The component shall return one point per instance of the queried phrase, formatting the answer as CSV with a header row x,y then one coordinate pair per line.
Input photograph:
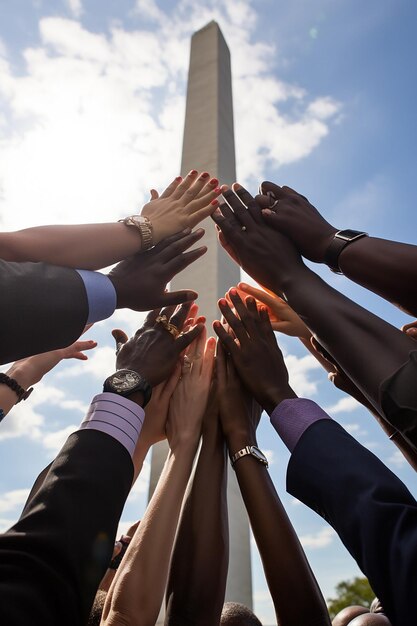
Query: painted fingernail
x,y
237,186
214,202
217,190
214,181
205,175
178,179
223,302
233,292
192,172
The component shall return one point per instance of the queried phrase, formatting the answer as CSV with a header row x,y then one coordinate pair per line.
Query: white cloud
x,y
149,9
346,404
295,502
299,369
397,459
97,118
76,7
11,500
99,365
54,441
270,455
6,523
321,539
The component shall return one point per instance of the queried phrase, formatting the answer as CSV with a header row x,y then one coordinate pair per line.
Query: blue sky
x,y
91,116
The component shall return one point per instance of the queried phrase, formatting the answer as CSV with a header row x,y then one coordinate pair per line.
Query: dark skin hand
x,y
141,280
294,590
256,356
374,350
252,243
152,351
388,268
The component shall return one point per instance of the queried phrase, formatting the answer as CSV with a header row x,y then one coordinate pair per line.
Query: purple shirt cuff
x,y
293,416
101,295
119,417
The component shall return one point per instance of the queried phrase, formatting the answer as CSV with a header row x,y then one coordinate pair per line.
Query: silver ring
x,y
244,228
274,204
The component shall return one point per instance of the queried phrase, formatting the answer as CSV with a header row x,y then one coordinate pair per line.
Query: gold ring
x,y
171,328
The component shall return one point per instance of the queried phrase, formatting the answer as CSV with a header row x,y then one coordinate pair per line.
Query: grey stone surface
x,y
209,145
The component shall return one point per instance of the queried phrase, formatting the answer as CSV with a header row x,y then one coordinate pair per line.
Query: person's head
x,y
235,614
97,610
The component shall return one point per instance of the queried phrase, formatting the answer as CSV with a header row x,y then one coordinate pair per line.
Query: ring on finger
x,y
171,328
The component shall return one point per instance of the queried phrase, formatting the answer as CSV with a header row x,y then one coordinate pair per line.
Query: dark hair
x,y
97,610
235,614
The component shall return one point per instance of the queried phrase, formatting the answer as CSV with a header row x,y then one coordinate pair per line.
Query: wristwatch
x,y
252,451
125,382
144,227
341,239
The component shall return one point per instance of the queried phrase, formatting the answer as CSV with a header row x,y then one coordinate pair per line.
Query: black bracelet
x,y
22,394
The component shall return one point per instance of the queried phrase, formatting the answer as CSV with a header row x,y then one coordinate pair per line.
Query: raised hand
x,y
140,281
254,352
183,204
282,317
156,347
266,255
294,216
189,400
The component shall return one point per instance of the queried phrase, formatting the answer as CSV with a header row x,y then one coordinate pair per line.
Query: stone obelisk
x,y
209,145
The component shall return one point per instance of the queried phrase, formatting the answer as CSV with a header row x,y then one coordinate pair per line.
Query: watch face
x,y
258,454
348,234
125,380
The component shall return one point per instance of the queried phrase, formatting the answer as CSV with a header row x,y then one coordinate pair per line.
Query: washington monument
x,y
209,146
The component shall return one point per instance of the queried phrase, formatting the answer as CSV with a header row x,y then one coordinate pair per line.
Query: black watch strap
x,y
340,240
22,394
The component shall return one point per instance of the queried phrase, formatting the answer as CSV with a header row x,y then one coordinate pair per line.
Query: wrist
x,y
24,375
274,396
324,241
238,438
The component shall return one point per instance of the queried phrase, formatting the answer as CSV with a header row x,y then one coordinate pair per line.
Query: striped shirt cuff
x,y
116,416
293,416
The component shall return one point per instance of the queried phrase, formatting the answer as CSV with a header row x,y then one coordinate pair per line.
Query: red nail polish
x,y
205,175
214,202
178,179
214,181
223,301
233,292
192,172
217,190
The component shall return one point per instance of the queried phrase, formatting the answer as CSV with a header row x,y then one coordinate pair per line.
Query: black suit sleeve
x,y
53,558
43,307
370,508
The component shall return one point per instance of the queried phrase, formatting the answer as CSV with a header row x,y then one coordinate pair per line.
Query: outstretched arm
x,y
259,363
93,246
197,580
374,350
388,268
136,593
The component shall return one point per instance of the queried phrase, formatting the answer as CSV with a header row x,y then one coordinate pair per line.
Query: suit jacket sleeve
x,y
43,307
53,558
372,511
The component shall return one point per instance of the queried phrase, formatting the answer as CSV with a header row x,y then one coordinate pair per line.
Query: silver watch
x,y
252,451
144,227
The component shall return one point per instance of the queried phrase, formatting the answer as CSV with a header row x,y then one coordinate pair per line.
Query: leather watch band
x,y
340,240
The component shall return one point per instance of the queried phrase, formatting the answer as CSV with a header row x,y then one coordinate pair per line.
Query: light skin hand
x,y
153,351
141,280
283,318
183,204
255,354
294,216
189,400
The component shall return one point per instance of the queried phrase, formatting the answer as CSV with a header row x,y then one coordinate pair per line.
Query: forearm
x,y
387,268
82,246
197,580
139,585
285,565
374,349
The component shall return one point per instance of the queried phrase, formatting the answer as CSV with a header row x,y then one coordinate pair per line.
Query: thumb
x,y
154,194
120,338
178,297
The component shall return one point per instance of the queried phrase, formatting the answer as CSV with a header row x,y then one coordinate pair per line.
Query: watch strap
x,y
22,394
144,226
340,240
